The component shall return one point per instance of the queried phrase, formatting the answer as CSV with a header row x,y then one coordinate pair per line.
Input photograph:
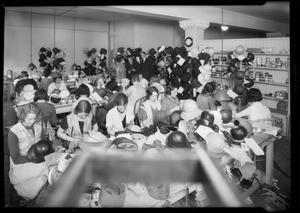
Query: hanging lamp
x,y
31,63
73,66
221,95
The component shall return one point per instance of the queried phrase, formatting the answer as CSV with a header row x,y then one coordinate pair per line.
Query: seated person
x,y
154,81
57,83
46,79
27,178
76,124
134,93
48,110
170,103
256,109
149,107
205,99
118,117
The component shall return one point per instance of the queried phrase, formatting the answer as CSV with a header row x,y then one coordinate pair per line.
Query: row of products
x,y
260,76
265,62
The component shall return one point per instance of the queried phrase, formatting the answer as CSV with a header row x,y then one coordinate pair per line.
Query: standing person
x,y
28,178
46,80
146,66
118,117
170,103
57,83
149,107
120,68
75,125
184,90
134,93
132,67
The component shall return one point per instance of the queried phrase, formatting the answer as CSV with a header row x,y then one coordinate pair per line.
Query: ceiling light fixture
x,y
224,28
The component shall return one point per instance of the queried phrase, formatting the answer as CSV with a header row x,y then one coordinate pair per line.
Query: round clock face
x,y
188,41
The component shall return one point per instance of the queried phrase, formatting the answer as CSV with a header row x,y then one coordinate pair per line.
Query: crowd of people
x,y
167,90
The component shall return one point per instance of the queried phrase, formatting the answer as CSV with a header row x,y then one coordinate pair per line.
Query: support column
x,y
195,30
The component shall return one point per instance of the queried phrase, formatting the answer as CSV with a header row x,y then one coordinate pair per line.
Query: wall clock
x,y
188,42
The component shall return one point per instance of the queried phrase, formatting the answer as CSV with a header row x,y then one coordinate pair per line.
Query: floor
x,y
262,198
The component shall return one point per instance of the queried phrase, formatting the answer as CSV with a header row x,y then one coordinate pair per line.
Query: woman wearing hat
x,y
149,107
170,103
78,123
154,81
27,178
57,83
256,109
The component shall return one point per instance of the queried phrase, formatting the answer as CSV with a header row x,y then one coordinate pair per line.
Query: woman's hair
x,y
47,72
83,106
135,78
209,87
254,95
154,78
122,99
54,79
82,90
169,89
151,90
30,108
41,94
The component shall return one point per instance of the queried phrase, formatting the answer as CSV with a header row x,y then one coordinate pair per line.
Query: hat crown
x,y
214,142
190,106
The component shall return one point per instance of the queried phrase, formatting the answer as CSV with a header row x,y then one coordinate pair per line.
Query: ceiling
x,y
276,11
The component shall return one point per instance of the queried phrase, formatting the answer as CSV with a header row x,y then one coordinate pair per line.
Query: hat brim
x,y
215,155
191,115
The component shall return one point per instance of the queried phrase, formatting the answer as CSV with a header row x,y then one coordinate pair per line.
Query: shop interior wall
x,y
17,41
215,33
153,34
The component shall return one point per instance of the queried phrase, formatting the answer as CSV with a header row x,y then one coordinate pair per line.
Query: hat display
x,y
64,94
125,144
215,144
55,98
209,116
28,92
246,124
177,139
238,132
112,195
226,115
190,110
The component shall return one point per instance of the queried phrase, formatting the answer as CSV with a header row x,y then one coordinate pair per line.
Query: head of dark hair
x,y
135,78
121,99
41,94
47,72
169,89
150,91
254,95
209,87
154,78
82,90
83,106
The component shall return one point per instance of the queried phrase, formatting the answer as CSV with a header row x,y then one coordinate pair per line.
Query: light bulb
x,y
224,28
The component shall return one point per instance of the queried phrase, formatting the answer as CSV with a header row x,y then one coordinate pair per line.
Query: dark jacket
x,y
129,67
147,68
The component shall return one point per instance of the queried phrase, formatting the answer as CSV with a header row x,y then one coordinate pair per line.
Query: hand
x,y
75,141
